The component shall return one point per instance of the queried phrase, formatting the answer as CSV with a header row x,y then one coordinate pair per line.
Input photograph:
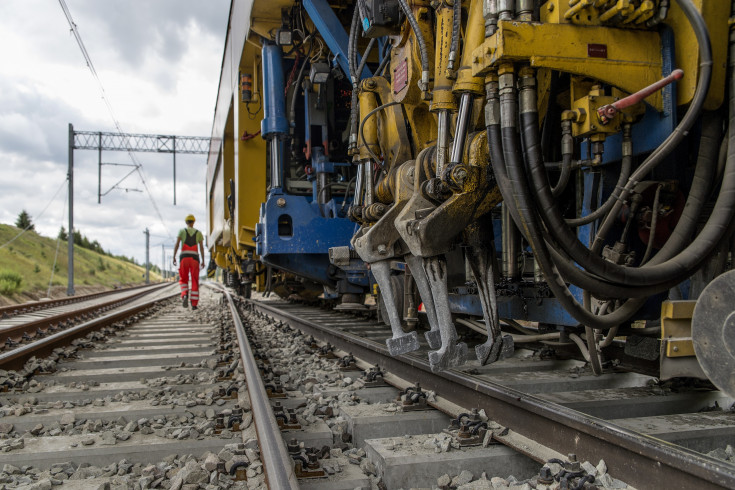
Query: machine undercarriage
x,y
552,172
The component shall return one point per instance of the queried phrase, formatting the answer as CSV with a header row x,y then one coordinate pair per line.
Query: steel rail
x,y
42,325
647,462
15,358
34,306
279,469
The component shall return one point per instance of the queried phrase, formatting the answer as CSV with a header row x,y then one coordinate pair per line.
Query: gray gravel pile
x,y
552,476
176,472
723,454
192,424
161,394
21,380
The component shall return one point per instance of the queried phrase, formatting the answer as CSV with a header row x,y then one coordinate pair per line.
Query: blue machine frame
x,y
295,232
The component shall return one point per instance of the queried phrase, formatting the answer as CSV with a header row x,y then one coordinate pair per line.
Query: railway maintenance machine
x,y
558,173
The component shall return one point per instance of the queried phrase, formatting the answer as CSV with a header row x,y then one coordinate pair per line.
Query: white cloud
x,y
159,63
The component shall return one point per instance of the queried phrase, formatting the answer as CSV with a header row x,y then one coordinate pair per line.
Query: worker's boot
x,y
185,301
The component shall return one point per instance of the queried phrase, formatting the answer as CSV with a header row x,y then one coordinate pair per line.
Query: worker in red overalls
x,y
191,262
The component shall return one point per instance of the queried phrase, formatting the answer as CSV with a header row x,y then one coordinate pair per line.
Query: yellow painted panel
x,y
676,327
632,62
250,155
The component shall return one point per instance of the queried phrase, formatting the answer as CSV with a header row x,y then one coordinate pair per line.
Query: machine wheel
x,y
713,331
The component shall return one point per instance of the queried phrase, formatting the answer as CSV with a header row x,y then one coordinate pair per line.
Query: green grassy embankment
x,y
25,268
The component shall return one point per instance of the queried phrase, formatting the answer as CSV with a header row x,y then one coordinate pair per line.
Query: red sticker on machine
x,y
597,50
400,76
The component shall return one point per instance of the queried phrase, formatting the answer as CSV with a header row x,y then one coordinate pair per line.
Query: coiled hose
x,y
523,211
522,216
680,266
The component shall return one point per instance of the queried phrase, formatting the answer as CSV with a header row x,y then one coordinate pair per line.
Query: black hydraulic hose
x,y
558,286
680,132
365,57
654,222
351,43
347,194
384,62
456,23
566,172
568,240
567,269
565,263
687,261
554,280
680,266
529,227
424,84
699,190
362,126
563,294
297,84
351,48
721,159
626,166
705,174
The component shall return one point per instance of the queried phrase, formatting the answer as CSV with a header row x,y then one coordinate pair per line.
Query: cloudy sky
x,y
159,63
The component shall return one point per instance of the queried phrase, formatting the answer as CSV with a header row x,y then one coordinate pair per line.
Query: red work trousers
x,y
189,266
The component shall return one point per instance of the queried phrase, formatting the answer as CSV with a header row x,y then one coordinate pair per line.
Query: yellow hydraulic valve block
x,y
627,59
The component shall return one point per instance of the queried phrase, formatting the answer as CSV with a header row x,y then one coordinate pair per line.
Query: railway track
x,y
20,324
160,401
156,398
652,435
35,307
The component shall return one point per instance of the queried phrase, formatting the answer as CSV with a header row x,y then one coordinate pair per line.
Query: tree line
x,y
25,222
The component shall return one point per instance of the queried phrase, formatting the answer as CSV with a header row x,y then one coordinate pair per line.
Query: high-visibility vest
x,y
189,245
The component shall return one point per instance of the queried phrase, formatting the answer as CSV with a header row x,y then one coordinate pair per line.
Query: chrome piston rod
x,y
460,134
276,146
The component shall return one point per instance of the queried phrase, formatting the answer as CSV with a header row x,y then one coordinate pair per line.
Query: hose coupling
x,y
451,60
424,83
627,141
492,102
490,13
506,9
508,98
525,10
567,142
527,87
